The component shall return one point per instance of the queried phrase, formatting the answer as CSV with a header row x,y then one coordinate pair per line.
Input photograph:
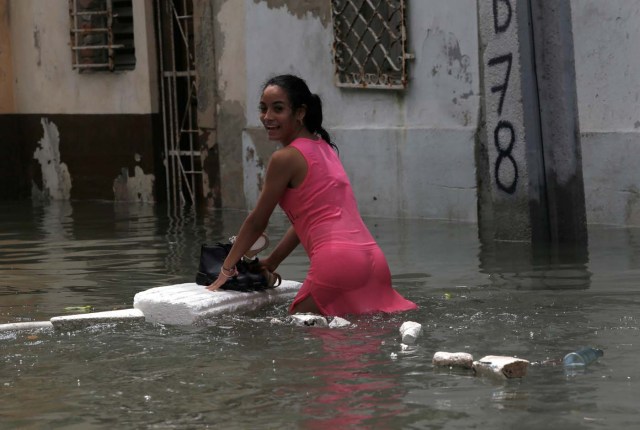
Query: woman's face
x,y
281,123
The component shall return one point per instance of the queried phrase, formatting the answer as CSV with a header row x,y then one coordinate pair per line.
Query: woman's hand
x,y
218,283
265,263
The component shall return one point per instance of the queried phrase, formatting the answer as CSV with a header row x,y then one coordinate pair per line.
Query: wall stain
x,y
632,207
211,167
36,44
231,122
449,57
320,9
449,71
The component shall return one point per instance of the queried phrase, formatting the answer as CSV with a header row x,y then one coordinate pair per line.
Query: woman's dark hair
x,y
299,95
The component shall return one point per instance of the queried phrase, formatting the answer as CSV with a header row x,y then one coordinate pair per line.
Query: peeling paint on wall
x,y
138,187
257,149
56,180
320,9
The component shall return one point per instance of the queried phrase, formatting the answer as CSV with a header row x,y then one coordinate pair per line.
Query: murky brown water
x,y
242,372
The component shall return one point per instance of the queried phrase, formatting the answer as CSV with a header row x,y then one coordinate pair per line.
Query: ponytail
x,y
313,120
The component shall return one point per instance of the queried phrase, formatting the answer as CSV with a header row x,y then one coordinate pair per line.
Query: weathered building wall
x,y
510,128
75,121
204,30
231,37
607,58
408,153
6,67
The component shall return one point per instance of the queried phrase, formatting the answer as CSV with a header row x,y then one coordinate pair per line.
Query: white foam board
x,y
187,304
70,322
31,325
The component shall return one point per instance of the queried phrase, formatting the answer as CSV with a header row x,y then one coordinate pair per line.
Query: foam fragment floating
x,y
309,320
410,331
190,303
453,359
501,366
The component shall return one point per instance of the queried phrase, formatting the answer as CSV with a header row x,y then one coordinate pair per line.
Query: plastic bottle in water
x,y
582,357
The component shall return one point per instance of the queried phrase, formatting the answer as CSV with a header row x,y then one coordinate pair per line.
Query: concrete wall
x,y
510,126
408,153
607,57
230,41
46,83
6,63
66,135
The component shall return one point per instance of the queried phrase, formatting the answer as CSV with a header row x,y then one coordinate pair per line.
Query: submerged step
x,y
72,322
190,303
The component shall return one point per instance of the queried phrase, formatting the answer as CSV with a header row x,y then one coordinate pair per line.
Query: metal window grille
x,y
370,42
102,35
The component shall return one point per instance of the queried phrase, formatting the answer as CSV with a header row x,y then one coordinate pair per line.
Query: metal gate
x,y
182,158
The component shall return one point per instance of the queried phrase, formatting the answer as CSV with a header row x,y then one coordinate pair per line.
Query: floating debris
x,y
87,308
501,366
410,331
453,359
581,358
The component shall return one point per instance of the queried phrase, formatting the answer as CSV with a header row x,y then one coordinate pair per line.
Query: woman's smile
x,y
277,116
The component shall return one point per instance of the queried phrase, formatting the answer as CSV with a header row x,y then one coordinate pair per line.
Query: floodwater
x,y
243,371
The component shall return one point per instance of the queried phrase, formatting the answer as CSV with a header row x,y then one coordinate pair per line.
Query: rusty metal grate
x,y
102,35
370,41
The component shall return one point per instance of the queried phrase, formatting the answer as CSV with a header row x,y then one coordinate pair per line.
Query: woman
x,y
348,273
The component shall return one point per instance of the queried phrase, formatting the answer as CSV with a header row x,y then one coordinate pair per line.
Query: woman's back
x,y
323,208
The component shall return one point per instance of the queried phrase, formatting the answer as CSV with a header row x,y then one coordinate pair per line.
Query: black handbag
x,y
250,277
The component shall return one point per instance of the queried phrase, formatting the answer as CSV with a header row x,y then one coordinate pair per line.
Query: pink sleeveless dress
x,y
349,273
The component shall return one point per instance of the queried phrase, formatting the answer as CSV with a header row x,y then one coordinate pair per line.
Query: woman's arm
x,y
283,165
287,244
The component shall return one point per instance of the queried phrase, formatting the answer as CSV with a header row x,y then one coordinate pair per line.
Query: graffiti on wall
x,y
505,171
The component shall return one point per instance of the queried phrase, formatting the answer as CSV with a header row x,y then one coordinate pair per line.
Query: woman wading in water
x,y
349,273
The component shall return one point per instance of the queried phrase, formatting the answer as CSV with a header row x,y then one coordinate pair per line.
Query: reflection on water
x,y
351,391
242,371
521,265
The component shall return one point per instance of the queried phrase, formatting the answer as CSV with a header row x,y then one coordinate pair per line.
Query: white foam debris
x,y
190,303
72,322
501,366
31,325
453,359
337,322
410,331
309,320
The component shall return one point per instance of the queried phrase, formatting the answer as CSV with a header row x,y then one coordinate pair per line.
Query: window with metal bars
x,y
370,43
102,35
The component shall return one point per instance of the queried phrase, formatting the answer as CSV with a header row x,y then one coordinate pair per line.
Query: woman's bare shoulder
x,y
286,155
